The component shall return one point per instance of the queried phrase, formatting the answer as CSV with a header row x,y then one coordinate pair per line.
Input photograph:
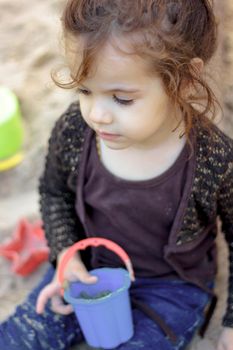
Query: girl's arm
x,y
57,200
225,211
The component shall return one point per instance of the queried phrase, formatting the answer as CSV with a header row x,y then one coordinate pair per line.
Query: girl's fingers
x,y
58,306
82,276
46,293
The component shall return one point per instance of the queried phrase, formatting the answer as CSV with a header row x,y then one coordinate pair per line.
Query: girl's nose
x,y
99,114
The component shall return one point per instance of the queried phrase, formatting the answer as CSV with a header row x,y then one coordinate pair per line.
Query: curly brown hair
x,y
170,33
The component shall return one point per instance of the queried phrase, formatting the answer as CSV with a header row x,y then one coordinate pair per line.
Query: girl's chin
x,y
116,145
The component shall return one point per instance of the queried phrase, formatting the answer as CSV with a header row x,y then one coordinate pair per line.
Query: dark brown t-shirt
x,y
137,215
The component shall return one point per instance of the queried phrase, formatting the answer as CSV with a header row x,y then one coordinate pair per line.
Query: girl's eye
x,y
116,99
83,91
122,102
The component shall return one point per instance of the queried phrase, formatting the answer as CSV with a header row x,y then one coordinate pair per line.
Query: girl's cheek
x,y
83,109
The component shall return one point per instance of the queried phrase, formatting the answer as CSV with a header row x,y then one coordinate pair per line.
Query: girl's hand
x,y
226,339
75,270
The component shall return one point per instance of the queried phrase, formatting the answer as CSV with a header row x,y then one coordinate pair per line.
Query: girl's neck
x,y
142,164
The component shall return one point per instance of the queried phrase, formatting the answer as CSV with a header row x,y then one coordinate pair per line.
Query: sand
x,y
30,46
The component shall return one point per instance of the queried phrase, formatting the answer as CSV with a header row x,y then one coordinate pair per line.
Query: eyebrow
x,y
117,89
122,90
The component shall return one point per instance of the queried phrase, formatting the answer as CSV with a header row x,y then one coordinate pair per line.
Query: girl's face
x,y
122,99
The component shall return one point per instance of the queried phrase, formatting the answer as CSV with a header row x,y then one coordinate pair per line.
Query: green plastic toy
x,y
11,130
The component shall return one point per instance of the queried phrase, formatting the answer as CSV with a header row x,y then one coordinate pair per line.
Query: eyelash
x,y
116,99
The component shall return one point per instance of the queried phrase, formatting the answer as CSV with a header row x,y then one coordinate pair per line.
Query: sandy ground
x,y
29,48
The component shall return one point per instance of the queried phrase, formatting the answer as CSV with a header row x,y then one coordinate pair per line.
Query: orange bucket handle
x,y
94,242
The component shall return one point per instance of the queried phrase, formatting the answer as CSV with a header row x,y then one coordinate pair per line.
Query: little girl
x,y
137,160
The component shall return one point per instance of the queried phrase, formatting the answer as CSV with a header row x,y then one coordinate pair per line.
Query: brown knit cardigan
x,y
208,195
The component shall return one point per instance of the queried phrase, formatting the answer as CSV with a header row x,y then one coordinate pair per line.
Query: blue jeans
x,y
180,305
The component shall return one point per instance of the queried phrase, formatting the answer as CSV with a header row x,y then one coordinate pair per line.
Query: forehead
x,y
113,62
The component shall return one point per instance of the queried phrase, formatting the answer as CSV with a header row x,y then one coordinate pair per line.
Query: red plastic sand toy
x,y
27,248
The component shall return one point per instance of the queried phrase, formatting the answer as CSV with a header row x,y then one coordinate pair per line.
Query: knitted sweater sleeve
x,y
57,200
225,211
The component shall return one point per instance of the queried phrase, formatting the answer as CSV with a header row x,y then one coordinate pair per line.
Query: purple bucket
x,y
103,309
106,322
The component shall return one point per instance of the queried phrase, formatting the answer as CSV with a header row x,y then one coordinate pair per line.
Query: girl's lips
x,y
107,136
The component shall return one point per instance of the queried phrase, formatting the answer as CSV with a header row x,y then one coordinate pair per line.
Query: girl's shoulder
x,y
67,140
70,126
214,147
